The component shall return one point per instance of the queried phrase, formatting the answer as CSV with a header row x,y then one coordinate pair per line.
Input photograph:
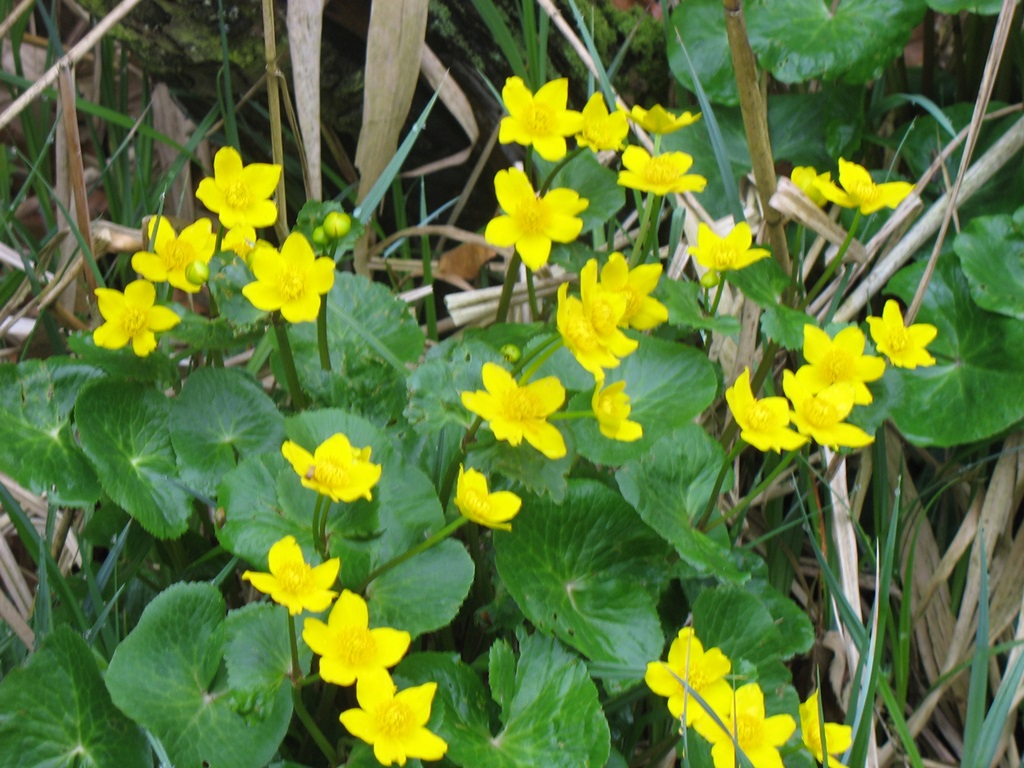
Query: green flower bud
x,y
319,237
511,352
197,272
710,279
337,225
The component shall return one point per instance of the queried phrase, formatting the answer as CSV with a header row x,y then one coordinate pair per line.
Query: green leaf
x,y
763,282
668,385
529,470
681,297
37,444
123,363
700,24
785,326
730,618
124,432
670,485
55,710
855,40
425,592
228,276
553,716
977,7
973,392
168,675
596,183
795,629
991,251
220,416
589,572
257,652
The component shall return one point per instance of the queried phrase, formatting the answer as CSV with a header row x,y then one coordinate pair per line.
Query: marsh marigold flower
x,y
838,738
759,737
173,253
514,412
905,346
661,174
239,194
590,324
602,130
346,645
611,408
531,223
659,120
539,120
821,415
480,505
810,181
842,359
861,192
132,317
643,312
394,723
292,582
763,423
335,468
704,671
291,281
721,254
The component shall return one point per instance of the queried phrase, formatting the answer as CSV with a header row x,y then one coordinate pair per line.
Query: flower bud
x,y
197,272
319,237
511,352
337,225
710,279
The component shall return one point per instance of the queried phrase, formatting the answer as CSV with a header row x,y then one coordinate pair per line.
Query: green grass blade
x,y
977,688
502,35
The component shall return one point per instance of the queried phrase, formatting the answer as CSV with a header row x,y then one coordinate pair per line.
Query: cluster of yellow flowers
x,y
858,188
824,391
695,682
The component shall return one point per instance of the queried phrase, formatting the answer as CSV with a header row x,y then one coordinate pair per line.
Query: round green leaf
x,y
220,416
168,676
595,183
802,39
124,432
589,572
55,710
973,392
730,618
258,653
700,24
37,446
991,251
668,385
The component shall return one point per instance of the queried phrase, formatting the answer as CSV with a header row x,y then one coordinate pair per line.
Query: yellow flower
x,y
721,254
239,195
642,311
838,738
335,468
661,174
292,281
131,317
475,502
173,253
241,241
658,120
590,325
758,737
763,423
539,120
842,359
611,407
394,724
346,645
514,412
704,671
859,191
292,582
531,223
810,182
821,415
904,346
600,129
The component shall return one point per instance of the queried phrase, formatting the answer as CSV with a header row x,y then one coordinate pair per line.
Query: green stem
x,y
506,289
531,294
651,202
561,164
318,539
437,538
756,490
284,348
570,415
737,449
321,335
312,727
296,671
540,359
718,297
832,265
529,358
448,482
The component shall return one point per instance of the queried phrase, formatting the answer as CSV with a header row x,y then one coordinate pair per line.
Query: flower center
x,y
356,646
606,406
237,195
597,132
331,473
723,256
864,192
293,577
837,366
394,719
540,120
134,320
759,417
660,170
603,317
897,338
581,334
820,413
521,405
478,503
179,255
532,216
749,731
291,283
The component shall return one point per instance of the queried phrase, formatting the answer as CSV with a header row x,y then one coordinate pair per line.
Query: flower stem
x,y
437,538
651,202
710,506
570,415
561,164
756,490
548,350
453,467
506,289
718,297
531,294
284,348
319,518
300,706
832,265
321,335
